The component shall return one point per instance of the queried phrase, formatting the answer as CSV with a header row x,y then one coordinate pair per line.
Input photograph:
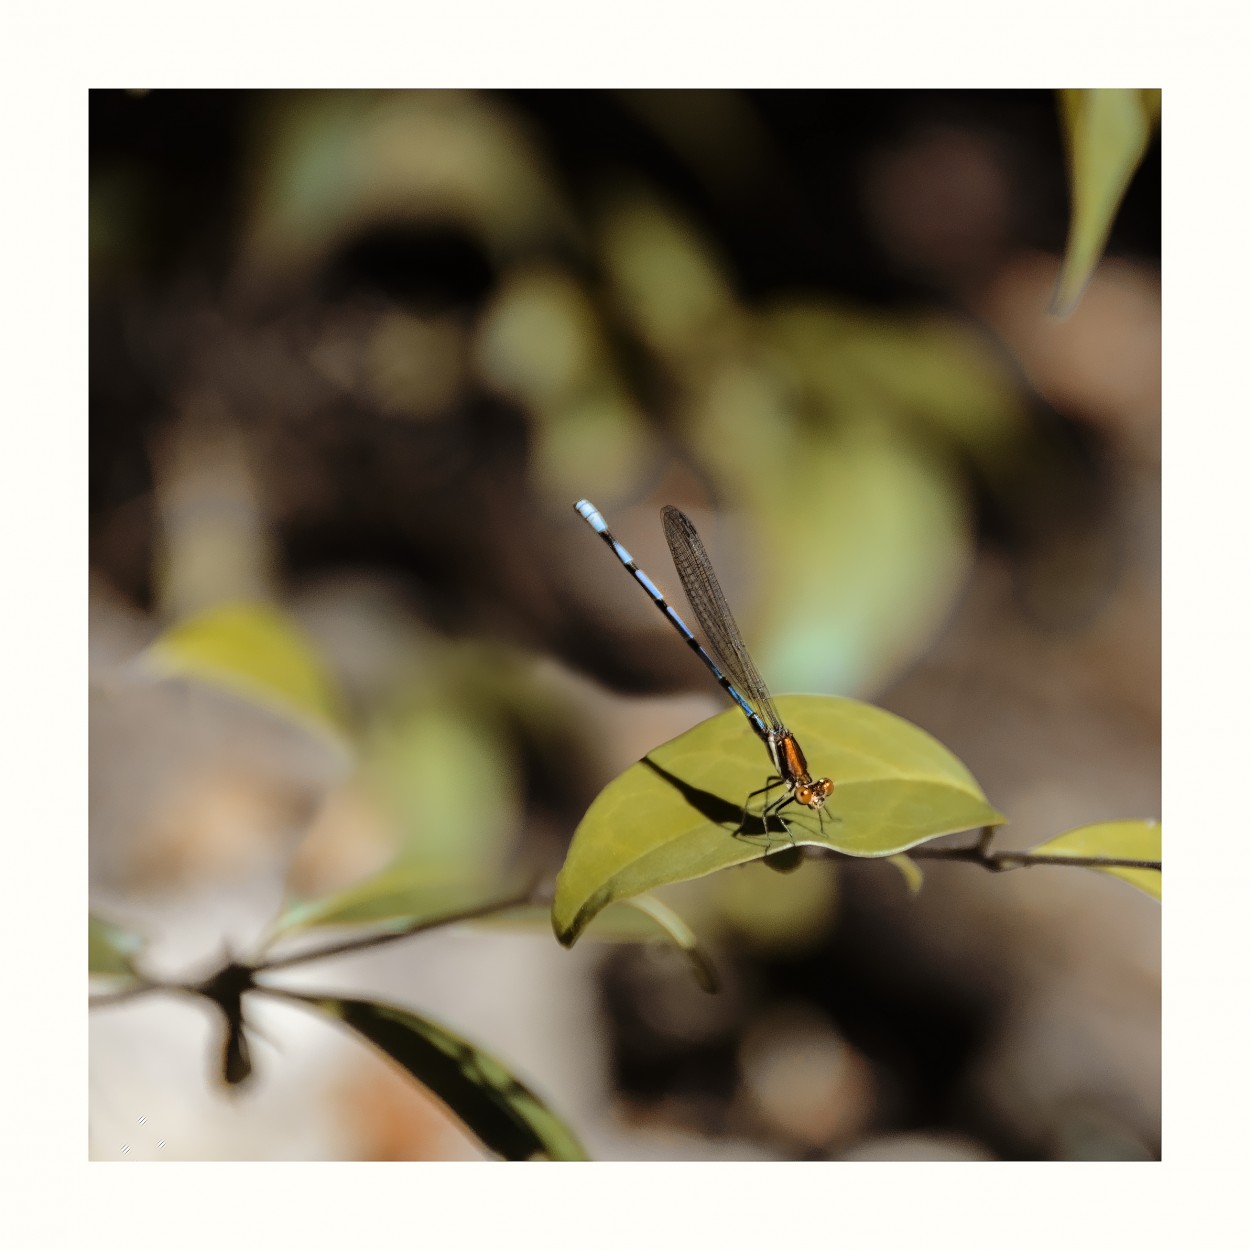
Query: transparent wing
x,y
710,606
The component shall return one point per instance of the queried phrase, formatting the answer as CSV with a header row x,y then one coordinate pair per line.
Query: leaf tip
x,y
910,871
1066,297
566,935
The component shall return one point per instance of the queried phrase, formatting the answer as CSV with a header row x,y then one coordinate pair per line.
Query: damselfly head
x,y
814,795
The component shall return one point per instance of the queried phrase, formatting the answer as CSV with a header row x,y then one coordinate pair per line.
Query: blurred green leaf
x,y
637,920
867,554
404,894
444,769
438,768
590,442
935,370
1107,132
664,276
1115,839
496,1107
910,872
541,713
672,816
770,910
330,161
856,534
543,342
681,935
110,948
255,650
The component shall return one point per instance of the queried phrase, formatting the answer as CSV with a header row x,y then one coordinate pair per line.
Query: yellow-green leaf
x,y
255,650
1115,839
1107,132
672,816
110,948
490,1101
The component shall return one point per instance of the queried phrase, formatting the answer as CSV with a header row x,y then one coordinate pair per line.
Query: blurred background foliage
x,y
354,355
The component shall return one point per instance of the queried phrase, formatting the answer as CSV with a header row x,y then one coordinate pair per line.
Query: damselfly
x,y
732,666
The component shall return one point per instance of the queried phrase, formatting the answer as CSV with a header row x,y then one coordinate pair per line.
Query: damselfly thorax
x,y
791,765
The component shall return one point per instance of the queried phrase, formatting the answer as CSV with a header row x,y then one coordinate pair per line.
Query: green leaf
x,y
672,816
1115,839
257,651
109,948
496,1107
404,894
1107,133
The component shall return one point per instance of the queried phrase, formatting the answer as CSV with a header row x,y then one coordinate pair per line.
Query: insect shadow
x,y
714,808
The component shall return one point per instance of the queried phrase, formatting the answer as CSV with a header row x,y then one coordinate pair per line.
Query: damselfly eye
x,y
804,795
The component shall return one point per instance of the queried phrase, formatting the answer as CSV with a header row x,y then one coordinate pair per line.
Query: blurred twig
x,y
1000,861
248,971
392,935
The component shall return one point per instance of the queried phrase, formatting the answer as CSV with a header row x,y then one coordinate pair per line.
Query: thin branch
x,y
290,996
999,861
371,940
204,988
143,986
981,853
